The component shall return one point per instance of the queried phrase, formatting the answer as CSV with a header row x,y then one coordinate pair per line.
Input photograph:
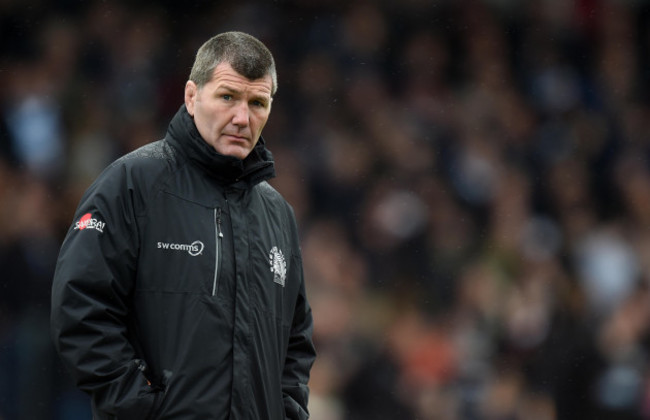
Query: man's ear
x,y
191,91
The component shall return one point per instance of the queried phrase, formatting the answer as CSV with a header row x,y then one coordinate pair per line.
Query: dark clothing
x,y
183,269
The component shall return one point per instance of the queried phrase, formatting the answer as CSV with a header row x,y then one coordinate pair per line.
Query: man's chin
x,y
237,152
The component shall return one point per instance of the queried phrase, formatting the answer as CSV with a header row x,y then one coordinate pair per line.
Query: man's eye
x,y
258,104
226,97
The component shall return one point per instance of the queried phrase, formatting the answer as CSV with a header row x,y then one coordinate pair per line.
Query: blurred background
x,y
471,180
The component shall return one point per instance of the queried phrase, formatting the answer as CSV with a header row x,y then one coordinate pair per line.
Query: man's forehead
x,y
225,76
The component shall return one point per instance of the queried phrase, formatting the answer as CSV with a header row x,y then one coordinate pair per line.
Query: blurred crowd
x,y
471,179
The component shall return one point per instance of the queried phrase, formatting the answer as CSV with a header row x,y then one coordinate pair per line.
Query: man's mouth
x,y
237,138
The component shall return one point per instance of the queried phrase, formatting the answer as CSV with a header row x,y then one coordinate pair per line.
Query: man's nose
x,y
241,116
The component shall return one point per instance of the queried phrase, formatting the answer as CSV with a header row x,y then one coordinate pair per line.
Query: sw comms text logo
x,y
87,221
194,249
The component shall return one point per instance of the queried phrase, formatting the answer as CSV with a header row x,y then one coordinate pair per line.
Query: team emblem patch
x,y
278,265
87,221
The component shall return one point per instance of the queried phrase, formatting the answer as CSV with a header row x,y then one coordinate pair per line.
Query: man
x,y
179,291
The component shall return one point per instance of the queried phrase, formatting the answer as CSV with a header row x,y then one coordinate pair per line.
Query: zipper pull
x,y
219,222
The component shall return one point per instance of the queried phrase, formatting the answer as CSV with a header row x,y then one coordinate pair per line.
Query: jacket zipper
x,y
217,236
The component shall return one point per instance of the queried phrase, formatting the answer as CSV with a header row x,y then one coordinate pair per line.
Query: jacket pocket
x,y
161,391
133,397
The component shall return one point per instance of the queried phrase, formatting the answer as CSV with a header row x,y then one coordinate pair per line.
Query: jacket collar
x,y
228,170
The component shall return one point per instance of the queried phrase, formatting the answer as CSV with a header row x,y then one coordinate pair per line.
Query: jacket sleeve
x,y
300,354
91,291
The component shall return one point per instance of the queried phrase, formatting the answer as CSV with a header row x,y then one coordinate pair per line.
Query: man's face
x,y
230,110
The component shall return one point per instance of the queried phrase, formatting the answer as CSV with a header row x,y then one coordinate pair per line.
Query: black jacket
x,y
179,290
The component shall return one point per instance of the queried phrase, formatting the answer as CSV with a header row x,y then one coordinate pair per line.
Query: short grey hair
x,y
246,54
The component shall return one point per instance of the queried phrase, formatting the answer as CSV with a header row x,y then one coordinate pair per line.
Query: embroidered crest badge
x,y
278,265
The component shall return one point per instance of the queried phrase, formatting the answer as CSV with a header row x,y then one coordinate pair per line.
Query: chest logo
x,y
278,265
194,249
